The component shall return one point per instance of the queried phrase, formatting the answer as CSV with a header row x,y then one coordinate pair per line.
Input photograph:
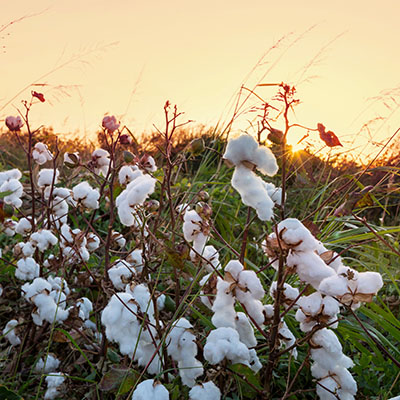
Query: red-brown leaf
x,y
330,139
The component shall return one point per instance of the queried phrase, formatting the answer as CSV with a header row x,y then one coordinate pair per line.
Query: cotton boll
x,y
245,330
289,293
273,192
224,343
100,161
110,123
27,269
296,235
128,173
24,249
192,225
309,267
9,227
240,149
85,308
92,242
251,284
54,381
224,306
205,391
234,268
252,192
43,239
41,153
120,274
29,290
135,259
84,194
330,384
10,174
23,227
265,161
287,338
50,365
150,389
118,239
9,332
135,194
245,148
210,254
15,187
369,282
181,346
46,177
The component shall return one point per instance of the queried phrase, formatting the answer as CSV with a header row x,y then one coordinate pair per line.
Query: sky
x,y
127,57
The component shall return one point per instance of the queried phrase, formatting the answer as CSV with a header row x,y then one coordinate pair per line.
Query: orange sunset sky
x,y
131,56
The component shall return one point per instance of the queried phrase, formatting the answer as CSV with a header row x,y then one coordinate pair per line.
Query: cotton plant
x,y
246,155
336,286
84,195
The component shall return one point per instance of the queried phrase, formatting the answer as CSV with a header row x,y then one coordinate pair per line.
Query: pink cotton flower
x,y
14,124
110,123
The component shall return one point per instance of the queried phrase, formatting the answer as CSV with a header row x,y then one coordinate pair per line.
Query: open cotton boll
x,y
327,351
9,332
211,258
327,386
315,309
38,285
225,343
85,308
54,381
118,239
134,194
46,177
15,187
110,123
135,259
23,227
252,192
27,269
48,310
234,268
273,192
224,306
43,239
41,153
50,364
120,274
245,148
24,249
128,173
309,267
84,194
205,391
181,346
150,389
9,227
92,241
10,174
192,225
100,161
351,287
296,235
245,330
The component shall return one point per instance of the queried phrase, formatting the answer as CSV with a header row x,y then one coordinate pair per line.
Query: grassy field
x,y
352,210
